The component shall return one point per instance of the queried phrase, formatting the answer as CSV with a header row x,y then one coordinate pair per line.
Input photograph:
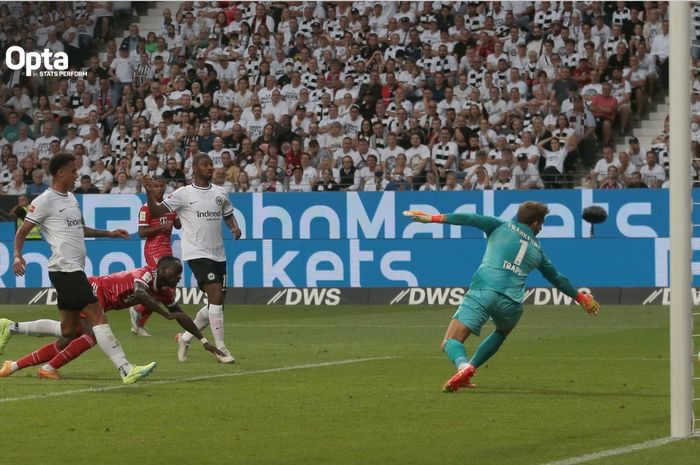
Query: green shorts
x,y
480,305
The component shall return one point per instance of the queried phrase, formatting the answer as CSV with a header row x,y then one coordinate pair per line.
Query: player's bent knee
x,y
95,314
69,332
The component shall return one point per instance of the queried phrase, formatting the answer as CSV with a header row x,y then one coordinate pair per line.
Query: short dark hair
x,y
86,176
169,261
532,212
59,161
197,159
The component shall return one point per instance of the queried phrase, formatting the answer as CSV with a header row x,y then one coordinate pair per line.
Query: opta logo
x,y
32,61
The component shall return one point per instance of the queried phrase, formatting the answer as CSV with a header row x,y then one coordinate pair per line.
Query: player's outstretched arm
x,y
188,325
150,231
483,222
117,233
563,284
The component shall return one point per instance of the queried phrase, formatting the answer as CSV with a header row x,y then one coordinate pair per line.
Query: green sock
x,y
487,348
456,352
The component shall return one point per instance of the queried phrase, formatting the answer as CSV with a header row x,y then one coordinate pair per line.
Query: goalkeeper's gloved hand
x,y
588,303
422,217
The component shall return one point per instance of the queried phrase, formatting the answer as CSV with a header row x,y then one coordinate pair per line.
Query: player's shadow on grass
x,y
561,392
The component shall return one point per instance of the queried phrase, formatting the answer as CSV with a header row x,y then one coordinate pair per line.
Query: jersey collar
x,y
59,193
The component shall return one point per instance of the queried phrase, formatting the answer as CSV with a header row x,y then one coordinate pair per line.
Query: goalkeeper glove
x,y
423,217
588,303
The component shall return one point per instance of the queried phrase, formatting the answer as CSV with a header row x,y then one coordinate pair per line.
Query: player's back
x,y
117,289
512,252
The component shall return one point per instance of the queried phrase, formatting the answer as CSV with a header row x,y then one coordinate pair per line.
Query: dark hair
x,y
86,176
197,159
532,212
169,261
59,161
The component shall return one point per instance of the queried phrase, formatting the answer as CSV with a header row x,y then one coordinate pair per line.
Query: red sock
x,y
145,314
73,350
39,356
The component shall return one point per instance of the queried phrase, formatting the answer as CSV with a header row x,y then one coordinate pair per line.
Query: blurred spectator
x,y
219,179
349,175
451,184
526,174
635,181
297,183
652,173
609,159
37,186
612,180
16,186
327,182
504,180
173,176
123,186
86,186
478,180
604,108
271,184
19,212
101,178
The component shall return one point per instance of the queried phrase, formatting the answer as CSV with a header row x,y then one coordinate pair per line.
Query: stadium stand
x,y
360,96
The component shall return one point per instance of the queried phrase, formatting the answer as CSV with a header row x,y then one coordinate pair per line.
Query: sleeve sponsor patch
x,y
147,277
32,208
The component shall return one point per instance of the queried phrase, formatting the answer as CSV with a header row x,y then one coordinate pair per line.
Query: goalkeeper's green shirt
x,y
512,252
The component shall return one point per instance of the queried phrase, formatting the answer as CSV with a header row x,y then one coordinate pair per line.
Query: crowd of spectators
x,y
350,96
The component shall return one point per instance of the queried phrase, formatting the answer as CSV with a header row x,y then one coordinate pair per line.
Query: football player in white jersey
x,y
58,214
201,206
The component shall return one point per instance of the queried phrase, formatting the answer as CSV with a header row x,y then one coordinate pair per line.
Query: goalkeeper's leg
x,y
453,344
468,319
505,314
488,347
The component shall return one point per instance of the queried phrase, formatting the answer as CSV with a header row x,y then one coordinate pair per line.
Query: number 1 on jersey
x,y
521,253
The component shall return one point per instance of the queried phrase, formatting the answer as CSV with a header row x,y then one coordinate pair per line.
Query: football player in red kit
x,y
148,286
157,232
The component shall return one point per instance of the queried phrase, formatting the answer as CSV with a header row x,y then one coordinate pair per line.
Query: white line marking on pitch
x,y
349,325
196,378
613,452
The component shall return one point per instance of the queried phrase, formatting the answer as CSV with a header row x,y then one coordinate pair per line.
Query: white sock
x,y
14,367
48,367
201,321
37,328
462,366
216,318
111,347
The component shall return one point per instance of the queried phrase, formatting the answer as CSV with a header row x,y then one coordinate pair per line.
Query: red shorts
x,y
152,259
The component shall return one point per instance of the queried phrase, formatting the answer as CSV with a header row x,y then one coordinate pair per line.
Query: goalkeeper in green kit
x,y
498,286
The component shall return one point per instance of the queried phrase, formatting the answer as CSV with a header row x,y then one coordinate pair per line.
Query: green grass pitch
x,y
352,385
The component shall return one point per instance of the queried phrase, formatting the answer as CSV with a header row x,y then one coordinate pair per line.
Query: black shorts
x,y
73,290
208,271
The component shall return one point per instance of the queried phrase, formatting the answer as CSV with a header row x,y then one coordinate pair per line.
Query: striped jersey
x,y
116,291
